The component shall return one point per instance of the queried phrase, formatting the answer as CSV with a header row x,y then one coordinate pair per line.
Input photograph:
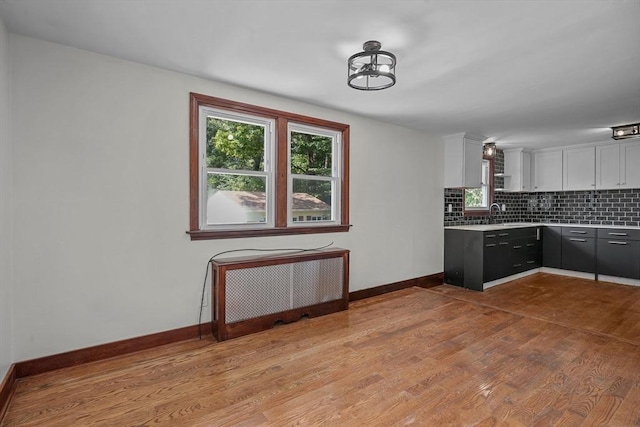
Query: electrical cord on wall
x,y
206,273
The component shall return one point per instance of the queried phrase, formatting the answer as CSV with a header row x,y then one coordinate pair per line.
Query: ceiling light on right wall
x,y
626,131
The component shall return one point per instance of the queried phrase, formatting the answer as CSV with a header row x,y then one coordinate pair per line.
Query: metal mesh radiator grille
x,y
316,281
258,291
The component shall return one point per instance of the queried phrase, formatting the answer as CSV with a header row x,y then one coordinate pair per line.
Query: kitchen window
x,y
477,200
256,171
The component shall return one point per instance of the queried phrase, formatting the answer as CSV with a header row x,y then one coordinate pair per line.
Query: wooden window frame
x,y
281,119
491,195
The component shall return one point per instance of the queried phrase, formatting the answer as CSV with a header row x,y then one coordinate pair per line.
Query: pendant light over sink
x,y
489,149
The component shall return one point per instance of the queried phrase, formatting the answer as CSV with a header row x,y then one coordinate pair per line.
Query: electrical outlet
x,y
205,301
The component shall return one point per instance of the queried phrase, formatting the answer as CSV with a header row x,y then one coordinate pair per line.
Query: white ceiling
x,y
527,73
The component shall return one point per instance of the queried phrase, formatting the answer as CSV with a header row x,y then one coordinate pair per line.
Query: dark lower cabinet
x,y
619,253
552,247
525,254
472,258
454,257
579,249
496,256
579,254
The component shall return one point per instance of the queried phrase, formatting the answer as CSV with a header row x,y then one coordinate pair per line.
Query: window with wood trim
x,y
477,200
256,171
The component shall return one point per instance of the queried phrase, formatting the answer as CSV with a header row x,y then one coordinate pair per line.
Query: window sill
x,y
235,234
476,213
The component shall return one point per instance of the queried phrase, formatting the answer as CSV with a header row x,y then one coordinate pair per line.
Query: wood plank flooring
x,y
540,351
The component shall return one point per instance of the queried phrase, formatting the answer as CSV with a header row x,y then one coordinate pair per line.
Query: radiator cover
x,y
251,294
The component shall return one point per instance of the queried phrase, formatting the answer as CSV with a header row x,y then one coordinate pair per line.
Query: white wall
x,y
6,305
100,170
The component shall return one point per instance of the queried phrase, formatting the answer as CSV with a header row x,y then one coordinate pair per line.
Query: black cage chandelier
x,y
372,69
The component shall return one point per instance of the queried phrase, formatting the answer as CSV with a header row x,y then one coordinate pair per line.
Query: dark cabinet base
x,y
619,258
473,258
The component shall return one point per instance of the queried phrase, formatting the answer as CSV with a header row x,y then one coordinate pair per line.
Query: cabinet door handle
x,y
490,236
578,240
503,243
530,262
577,232
613,242
503,234
517,265
530,244
490,245
617,234
517,247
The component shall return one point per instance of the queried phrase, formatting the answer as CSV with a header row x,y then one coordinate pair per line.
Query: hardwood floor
x,y
543,350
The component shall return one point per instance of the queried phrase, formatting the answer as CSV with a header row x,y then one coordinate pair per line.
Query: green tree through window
x,y
256,171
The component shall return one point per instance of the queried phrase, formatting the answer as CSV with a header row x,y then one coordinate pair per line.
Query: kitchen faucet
x,y
491,206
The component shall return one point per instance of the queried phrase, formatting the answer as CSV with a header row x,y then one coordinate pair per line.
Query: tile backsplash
x,y
601,207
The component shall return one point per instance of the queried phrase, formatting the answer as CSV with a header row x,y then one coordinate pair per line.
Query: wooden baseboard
x,y
6,389
423,282
104,351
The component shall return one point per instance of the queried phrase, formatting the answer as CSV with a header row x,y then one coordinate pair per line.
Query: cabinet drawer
x,y
493,236
579,231
618,234
510,233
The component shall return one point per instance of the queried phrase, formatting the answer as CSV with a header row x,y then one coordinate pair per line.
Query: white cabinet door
x,y
517,170
608,166
617,165
578,169
547,171
630,165
526,171
472,163
462,161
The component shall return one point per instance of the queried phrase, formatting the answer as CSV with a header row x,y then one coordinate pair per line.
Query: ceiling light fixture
x,y
626,131
372,69
489,149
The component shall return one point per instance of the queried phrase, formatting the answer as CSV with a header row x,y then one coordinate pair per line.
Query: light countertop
x,y
510,225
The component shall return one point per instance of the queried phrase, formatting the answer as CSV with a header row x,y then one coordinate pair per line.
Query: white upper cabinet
x,y
630,164
608,166
517,170
617,165
547,171
578,168
463,160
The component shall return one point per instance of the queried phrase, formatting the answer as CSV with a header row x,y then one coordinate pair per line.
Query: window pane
x,y
473,198
478,198
311,154
235,145
236,199
311,200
